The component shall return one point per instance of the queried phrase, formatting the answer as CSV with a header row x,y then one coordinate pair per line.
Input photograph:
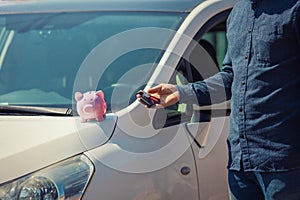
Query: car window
x,y
203,61
217,38
41,54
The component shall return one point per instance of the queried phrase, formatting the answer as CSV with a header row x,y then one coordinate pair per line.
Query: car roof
x,y
29,6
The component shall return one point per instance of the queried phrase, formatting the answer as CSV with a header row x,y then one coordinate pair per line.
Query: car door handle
x,y
199,132
207,134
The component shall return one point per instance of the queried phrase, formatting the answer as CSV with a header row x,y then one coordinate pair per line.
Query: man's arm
x,y
215,89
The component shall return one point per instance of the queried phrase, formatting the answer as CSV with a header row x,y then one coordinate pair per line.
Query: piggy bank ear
x,y
78,96
99,93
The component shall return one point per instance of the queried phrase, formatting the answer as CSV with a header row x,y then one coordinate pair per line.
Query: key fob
x,y
148,99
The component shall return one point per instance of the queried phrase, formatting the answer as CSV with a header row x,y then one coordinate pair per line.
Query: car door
x,y
208,126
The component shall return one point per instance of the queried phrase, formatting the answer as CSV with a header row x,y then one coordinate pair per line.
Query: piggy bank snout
x,y
88,108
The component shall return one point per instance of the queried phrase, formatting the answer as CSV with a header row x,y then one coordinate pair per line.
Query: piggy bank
x,y
91,105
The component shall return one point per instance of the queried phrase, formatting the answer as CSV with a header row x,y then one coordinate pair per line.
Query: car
x,y
51,49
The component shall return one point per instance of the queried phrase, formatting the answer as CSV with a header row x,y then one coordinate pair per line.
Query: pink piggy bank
x,y
91,105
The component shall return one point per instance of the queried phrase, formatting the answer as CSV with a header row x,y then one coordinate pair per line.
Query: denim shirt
x,y
261,75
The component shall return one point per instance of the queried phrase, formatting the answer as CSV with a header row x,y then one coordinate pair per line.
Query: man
x,y
261,75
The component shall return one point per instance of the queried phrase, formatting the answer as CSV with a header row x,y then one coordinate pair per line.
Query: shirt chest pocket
x,y
272,43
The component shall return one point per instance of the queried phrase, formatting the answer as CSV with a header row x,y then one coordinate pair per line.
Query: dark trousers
x,y
264,185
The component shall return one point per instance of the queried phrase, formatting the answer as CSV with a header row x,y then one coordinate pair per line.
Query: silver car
x,y
49,50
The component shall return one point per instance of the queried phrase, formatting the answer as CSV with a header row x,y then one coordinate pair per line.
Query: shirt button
x,y
241,109
249,30
243,82
246,57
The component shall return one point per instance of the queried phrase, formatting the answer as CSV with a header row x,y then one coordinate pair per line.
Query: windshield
x,y
46,58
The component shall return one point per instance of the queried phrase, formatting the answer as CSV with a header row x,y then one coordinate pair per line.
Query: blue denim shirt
x,y
261,75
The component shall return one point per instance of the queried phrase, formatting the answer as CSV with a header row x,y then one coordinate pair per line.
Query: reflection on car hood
x,y
28,143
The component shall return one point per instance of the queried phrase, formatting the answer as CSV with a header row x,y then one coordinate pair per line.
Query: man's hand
x,y
167,93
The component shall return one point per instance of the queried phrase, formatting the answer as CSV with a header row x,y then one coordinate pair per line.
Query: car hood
x,y
29,143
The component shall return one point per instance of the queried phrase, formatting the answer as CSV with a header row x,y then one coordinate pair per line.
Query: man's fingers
x,y
162,89
167,93
155,89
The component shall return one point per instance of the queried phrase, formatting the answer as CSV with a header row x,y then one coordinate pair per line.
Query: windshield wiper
x,y
34,110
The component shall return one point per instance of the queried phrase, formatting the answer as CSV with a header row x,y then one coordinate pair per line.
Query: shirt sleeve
x,y
215,89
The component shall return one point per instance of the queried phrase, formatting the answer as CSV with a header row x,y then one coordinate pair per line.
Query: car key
x,y
148,99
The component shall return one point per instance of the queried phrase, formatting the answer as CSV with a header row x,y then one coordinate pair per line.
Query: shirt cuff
x,y
187,94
